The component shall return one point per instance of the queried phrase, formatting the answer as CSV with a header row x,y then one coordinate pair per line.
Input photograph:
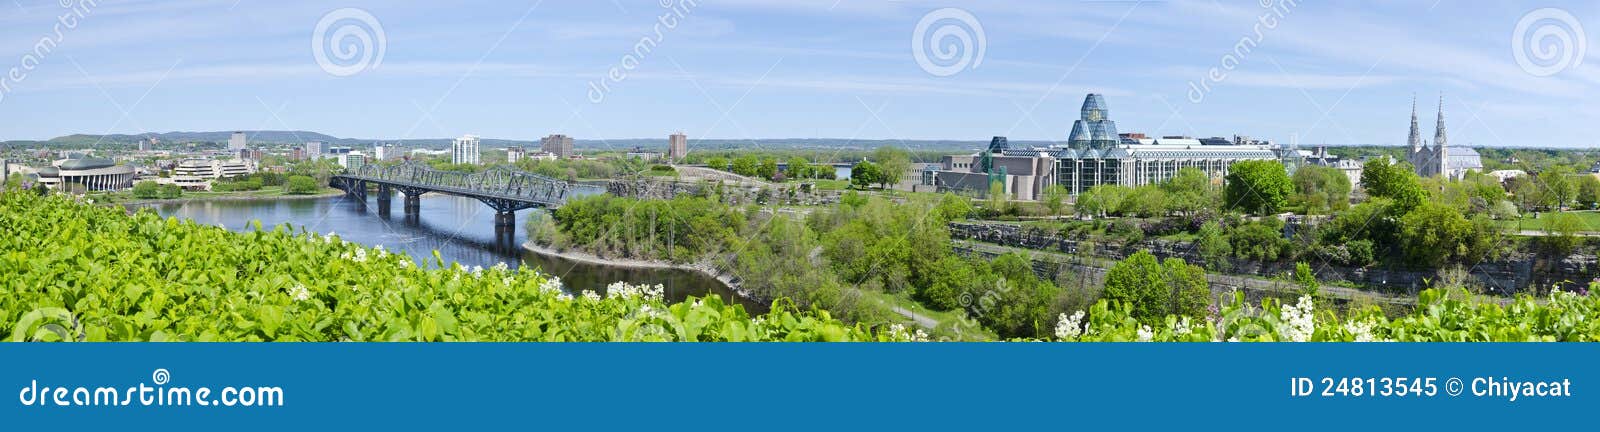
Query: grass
x,y
1589,218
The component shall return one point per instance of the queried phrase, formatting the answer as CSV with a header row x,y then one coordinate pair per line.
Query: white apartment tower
x,y
464,150
677,147
237,142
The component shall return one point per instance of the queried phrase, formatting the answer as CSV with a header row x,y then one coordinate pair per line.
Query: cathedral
x,y
1441,159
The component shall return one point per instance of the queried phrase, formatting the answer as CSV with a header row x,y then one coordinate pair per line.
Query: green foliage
x,y
146,190
1151,289
1213,245
1306,279
679,230
1258,186
1561,232
717,162
106,275
1146,201
1190,192
893,163
1103,200
1260,241
746,165
1433,234
1588,192
1321,190
1393,181
767,168
1054,197
301,185
865,173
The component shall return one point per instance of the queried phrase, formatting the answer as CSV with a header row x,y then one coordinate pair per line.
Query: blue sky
x,y
1335,72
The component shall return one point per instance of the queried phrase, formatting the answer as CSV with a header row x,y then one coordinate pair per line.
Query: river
x,y
460,229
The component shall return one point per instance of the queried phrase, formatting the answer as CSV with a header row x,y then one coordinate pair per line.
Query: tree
x,y
1146,201
893,163
1054,197
1561,232
1393,181
1560,186
301,185
1434,233
1307,280
146,190
1588,192
1102,200
170,191
745,165
1153,289
1190,192
1213,246
1258,186
999,202
1321,190
865,174
717,162
767,169
799,168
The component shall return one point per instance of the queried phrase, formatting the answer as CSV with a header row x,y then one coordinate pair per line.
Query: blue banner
x,y
935,386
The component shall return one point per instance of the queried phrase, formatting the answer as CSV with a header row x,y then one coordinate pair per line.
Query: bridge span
x,y
503,189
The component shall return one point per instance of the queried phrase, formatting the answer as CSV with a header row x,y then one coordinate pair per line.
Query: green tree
x,y
767,169
170,191
717,162
146,190
1434,233
746,165
1190,192
1153,289
1561,232
1054,197
1321,190
893,163
1307,280
1258,186
1588,192
865,174
1393,181
1213,246
1560,186
799,168
1102,200
1146,201
301,185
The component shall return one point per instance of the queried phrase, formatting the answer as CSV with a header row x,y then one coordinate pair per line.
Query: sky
x,y
1315,72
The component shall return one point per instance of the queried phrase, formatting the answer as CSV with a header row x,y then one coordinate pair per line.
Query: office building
x,y
560,145
352,161
385,152
198,173
313,150
464,150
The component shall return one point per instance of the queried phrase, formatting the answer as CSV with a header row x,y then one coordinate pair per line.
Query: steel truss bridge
x,y
505,190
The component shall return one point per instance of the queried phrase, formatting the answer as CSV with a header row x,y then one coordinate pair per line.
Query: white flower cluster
x,y
1183,327
328,238
591,295
360,255
1069,328
899,332
1146,334
1297,320
382,253
647,292
299,293
551,284
1362,330
500,267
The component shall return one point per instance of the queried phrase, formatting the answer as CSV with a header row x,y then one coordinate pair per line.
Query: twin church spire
x,y
1439,137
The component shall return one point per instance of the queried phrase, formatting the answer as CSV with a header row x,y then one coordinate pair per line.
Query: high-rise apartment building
x,y
560,145
514,154
313,150
677,147
385,151
464,150
237,142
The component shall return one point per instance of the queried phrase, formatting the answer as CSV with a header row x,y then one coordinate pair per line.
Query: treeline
x,y
829,259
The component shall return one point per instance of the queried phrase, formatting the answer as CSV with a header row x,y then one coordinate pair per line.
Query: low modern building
x,y
198,173
94,174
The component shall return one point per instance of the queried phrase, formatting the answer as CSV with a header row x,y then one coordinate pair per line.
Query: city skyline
x,y
823,69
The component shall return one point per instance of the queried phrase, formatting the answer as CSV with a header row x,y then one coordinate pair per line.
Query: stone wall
x,y
1509,275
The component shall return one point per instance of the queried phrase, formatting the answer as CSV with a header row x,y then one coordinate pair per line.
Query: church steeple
x,y
1438,134
1416,132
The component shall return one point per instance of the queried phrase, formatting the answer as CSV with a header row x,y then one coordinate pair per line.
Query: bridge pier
x,y
384,196
505,220
413,204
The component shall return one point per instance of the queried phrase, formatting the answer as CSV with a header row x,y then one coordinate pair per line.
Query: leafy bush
x,y
93,273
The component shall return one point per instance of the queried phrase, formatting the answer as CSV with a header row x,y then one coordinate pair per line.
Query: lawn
x,y
1590,219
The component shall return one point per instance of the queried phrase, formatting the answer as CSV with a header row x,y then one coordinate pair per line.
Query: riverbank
x,y
226,196
729,280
